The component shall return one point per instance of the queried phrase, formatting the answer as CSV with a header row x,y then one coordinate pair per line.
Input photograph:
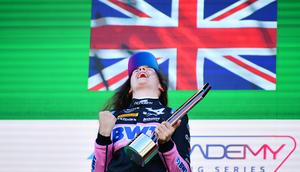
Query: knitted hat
x,y
142,59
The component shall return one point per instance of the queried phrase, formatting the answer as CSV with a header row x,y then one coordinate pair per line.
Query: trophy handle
x,y
189,104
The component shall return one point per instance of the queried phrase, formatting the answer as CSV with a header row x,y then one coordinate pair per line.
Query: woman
x,y
141,106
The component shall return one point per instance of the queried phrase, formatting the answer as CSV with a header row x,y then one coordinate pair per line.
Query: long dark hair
x,y
122,99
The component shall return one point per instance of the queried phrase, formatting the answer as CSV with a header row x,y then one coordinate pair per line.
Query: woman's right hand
x,y
106,123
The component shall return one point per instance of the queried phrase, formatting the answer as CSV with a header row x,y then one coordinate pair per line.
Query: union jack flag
x,y
229,43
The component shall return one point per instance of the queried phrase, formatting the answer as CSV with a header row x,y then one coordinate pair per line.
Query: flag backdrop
x,y
48,115
230,44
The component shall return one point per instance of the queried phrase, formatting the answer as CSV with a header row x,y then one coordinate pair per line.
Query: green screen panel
x,y
44,50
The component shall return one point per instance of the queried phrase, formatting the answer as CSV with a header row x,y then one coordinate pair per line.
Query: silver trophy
x,y
143,147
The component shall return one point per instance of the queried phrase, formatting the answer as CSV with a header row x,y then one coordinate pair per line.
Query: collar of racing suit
x,y
145,102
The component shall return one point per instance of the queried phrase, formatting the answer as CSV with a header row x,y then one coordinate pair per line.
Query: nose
x,y
142,68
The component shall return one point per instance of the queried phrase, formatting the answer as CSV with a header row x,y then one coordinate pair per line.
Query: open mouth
x,y
142,75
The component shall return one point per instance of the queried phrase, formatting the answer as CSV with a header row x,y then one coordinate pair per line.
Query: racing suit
x,y
143,115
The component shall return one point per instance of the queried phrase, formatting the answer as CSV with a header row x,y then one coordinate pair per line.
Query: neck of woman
x,y
142,94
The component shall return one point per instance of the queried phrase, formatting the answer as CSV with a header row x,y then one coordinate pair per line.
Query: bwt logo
x,y
240,153
129,132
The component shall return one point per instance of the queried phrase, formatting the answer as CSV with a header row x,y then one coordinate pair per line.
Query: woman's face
x,y
144,77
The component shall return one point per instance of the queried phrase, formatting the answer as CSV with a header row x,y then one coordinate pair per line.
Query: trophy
x,y
143,147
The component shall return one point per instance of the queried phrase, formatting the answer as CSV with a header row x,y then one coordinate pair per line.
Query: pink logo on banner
x,y
240,153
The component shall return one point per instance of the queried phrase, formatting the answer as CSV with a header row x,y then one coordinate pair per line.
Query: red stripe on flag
x,y
187,41
129,8
148,38
111,81
239,7
186,69
251,69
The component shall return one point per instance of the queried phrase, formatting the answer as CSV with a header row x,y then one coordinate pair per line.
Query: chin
x,y
142,81
144,85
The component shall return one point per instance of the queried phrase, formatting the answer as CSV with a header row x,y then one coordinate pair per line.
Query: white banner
x,y
245,146
216,145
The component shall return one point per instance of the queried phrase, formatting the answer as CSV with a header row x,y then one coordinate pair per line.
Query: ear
x,y
130,91
161,88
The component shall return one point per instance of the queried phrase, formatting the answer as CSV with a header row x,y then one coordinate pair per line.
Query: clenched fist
x,y
106,123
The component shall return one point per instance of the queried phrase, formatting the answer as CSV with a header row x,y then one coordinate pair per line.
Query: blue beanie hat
x,y
142,59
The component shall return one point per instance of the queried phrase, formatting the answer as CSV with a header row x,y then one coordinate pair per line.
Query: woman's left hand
x,y
165,131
